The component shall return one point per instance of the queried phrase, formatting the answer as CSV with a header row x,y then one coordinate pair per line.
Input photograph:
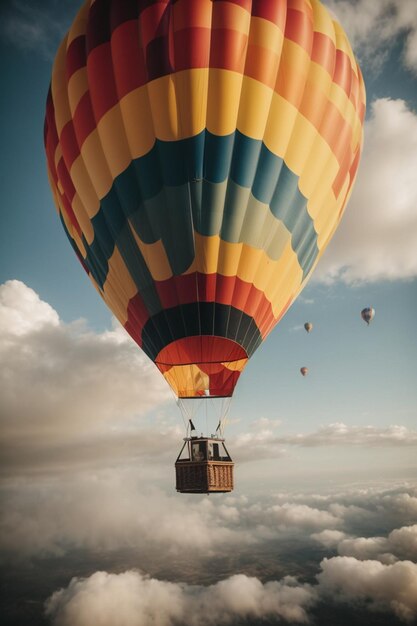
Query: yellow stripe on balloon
x,y
250,265
192,88
265,34
235,366
113,144
58,155
178,104
330,220
119,287
254,108
79,25
303,137
136,113
77,87
83,219
284,279
224,88
97,168
59,88
322,20
280,123
84,187
78,242
318,172
155,257
54,190
187,380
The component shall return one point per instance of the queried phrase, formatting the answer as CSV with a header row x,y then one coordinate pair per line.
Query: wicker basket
x,y
204,476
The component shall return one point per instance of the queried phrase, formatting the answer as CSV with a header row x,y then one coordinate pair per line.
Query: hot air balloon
x,y
201,155
304,371
308,326
368,314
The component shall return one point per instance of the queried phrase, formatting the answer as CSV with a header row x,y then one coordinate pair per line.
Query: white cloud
x,y
377,237
66,390
374,27
134,599
22,311
112,510
401,543
392,587
329,538
293,517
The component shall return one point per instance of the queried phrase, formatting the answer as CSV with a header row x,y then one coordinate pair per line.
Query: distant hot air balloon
x,y
308,326
304,371
200,156
368,314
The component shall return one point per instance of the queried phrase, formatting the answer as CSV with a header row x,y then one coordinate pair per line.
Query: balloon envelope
x,y
304,371
201,155
308,326
368,314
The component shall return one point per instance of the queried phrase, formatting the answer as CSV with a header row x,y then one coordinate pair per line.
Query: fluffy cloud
x,y
392,587
112,510
378,234
134,599
299,516
374,27
329,538
401,543
66,391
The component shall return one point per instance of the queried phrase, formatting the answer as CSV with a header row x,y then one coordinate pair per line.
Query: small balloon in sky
x,y
308,326
368,314
304,371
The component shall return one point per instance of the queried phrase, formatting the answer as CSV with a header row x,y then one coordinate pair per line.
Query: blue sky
x,y
83,409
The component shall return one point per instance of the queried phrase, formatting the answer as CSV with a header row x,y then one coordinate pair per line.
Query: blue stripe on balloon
x,y
169,192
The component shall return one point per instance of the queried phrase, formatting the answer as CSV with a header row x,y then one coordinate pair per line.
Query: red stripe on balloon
x,y
228,290
76,56
299,29
274,11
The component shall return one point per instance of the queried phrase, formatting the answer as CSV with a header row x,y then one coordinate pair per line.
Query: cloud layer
x,y
133,599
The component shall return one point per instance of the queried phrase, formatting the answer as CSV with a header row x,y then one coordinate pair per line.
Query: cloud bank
x,y
377,237
401,543
134,599
385,587
68,393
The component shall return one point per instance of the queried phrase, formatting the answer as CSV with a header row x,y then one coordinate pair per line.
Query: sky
x,y
322,525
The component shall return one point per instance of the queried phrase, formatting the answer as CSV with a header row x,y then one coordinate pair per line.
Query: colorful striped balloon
x,y
201,154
